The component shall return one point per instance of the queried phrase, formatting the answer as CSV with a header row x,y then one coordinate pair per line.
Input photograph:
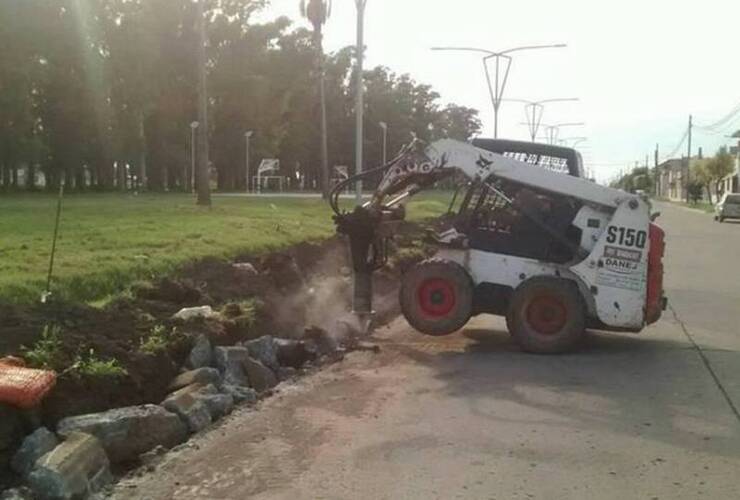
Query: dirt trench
x,y
308,285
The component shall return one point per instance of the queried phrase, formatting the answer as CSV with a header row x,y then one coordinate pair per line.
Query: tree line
x,y
101,94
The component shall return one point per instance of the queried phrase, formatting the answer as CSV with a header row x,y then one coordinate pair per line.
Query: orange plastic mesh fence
x,y
23,387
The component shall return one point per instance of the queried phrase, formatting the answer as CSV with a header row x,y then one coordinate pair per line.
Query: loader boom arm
x,y
442,158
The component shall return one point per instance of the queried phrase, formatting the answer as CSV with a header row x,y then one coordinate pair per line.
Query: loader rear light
x,y
655,301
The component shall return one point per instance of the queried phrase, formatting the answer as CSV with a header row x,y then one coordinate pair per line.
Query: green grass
x,y
704,206
108,241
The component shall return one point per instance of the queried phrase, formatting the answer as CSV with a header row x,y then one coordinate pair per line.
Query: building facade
x,y
671,180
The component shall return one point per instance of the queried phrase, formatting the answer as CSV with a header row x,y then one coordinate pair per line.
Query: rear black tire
x,y
720,219
436,297
546,316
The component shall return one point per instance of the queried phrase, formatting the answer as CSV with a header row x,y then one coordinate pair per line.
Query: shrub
x,y
159,340
46,353
93,367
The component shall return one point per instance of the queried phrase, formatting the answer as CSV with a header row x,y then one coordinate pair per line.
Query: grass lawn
x,y
701,205
108,241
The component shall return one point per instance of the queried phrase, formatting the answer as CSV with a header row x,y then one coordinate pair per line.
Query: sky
x,y
638,67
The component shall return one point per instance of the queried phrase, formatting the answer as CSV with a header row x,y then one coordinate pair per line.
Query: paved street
x,y
650,416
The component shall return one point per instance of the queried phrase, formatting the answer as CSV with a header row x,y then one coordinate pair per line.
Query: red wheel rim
x,y
436,297
546,314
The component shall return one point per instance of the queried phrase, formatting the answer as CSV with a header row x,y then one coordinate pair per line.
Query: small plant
x,y
243,314
159,340
93,367
46,353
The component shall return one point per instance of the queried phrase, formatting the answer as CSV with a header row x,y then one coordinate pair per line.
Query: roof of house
x,y
674,164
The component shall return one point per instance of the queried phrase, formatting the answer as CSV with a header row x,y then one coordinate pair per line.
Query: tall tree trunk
x,y
143,174
80,179
31,177
6,176
324,131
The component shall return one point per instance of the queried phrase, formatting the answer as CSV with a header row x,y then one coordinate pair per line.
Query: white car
x,y
728,208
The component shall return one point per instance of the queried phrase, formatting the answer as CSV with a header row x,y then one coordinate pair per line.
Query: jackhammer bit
x,y
366,248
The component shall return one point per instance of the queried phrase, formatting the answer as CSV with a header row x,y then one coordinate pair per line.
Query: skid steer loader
x,y
553,253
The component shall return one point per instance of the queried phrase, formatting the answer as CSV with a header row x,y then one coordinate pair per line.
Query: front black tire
x,y
547,315
720,219
436,297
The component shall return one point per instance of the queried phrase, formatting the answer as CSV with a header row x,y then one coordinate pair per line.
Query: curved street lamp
x,y
576,141
553,131
534,110
498,86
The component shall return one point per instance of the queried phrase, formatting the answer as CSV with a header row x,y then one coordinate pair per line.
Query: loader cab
x,y
535,225
556,158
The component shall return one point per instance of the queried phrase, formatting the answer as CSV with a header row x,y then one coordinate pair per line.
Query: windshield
x,y
732,199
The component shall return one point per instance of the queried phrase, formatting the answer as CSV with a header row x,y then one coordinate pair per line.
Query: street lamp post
x,y
193,128
247,136
360,97
553,131
384,126
534,110
498,86
576,141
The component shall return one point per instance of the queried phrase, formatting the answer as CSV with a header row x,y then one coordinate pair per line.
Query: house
x,y
670,181
731,183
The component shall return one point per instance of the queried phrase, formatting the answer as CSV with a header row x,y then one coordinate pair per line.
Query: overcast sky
x,y
639,67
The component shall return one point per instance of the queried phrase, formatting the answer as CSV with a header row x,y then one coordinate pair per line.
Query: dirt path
x,y
470,417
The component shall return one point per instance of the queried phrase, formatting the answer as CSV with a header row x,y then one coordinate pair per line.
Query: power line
x,y
723,121
678,147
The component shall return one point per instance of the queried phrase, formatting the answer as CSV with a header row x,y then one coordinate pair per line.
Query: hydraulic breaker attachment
x,y
368,232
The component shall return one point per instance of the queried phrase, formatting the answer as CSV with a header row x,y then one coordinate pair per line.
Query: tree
x,y
459,122
318,12
701,175
719,167
639,179
694,189
100,94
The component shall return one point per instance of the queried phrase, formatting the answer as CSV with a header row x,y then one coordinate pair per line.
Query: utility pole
x,y
688,159
203,178
360,97
657,170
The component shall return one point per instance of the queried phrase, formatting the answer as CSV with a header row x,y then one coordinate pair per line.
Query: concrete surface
x,y
650,416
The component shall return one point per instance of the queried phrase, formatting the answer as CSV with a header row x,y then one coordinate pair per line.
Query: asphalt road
x,y
650,416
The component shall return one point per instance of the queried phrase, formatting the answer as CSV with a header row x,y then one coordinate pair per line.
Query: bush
x,y
695,190
46,353
159,340
93,367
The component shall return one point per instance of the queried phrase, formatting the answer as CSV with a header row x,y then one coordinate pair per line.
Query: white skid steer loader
x,y
555,254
